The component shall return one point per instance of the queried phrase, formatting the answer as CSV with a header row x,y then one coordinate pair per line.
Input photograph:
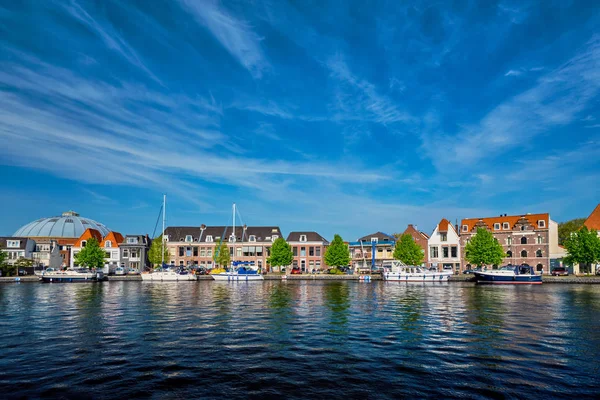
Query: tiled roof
x,y
443,226
22,242
413,231
115,239
88,234
378,235
310,237
593,221
261,233
511,219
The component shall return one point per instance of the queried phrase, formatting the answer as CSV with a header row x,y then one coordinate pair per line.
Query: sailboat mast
x,y
162,237
233,254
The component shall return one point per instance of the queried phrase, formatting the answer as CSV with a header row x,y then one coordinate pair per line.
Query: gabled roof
x,y
593,221
444,225
87,235
413,231
310,237
261,233
115,239
512,220
378,235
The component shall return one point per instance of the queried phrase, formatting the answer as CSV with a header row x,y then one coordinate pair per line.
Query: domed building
x,y
69,225
55,236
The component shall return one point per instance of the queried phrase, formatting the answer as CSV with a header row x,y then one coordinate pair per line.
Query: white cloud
x,y
513,72
235,35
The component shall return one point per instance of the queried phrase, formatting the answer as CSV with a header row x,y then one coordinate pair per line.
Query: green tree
x,y
408,251
565,229
484,249
5,267
23,262
337,254
583,247
281,253
91,256
154,254
221,256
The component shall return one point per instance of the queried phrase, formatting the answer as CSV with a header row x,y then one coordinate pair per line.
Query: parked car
x,y
296,271
560,271
22,272
120,271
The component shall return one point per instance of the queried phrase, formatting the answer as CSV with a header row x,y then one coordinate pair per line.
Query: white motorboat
x,y
397,271
169,275
72,275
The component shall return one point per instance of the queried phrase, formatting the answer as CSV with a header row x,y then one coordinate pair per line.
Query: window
x,y
195,251
181,263
230,251
445,252
302,251
188,238
181,251
232,238
295,250
539,268
318,251
541,223
380,250
523,227
209,253
303,238
132,240
497,226
252,238
115,255
202,252
209,238
505,226
509,240
108,243
125,253
188,251
259,251
524,253
374,240
318,264
523,240
12,243
443,237
107,254
274,237
134,254
83,243
311,251
538,253
238,252
433,250
540,240
509,254
454,251
465,228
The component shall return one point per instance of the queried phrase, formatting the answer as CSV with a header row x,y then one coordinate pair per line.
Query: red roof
x,y
115,239
444,225
593,221
533,219
87,235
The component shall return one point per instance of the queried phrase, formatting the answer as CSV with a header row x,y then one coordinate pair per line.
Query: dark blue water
x,y
298,340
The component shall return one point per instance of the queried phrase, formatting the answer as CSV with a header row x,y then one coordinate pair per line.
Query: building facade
x,y
109,243
526,239
134,253
592,222
309,250
420,238
189,246
444,247
16,248
371,251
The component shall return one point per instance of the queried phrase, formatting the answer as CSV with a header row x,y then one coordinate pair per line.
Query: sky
x,y
345,117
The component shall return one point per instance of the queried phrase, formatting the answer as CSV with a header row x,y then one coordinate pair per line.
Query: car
x,y
296,271
560,271
22,272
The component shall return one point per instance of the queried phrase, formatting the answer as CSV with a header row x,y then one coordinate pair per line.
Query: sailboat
x,y
240,270
168,274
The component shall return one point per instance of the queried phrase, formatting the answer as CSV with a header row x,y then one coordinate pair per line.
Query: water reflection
x,y
337,300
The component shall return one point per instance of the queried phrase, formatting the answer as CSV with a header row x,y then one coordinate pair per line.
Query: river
x,y
298,339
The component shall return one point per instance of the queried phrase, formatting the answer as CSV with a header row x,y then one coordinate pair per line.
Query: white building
x,y
444,247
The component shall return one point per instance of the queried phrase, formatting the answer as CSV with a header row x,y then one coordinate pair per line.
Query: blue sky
x,y
340,117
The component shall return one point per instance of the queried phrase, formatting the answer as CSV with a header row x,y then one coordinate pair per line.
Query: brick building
x,y
526,239
308,249
420,238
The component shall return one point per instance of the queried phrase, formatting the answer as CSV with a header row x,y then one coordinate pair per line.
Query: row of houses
x,y
530,238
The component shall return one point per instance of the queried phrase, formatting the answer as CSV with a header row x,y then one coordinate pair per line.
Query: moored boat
x,y
72,275
509,275
169,275
397,271
241,271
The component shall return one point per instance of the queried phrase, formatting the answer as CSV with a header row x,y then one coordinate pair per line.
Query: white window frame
x,y
107,244
497,226
541,223
465,228
274,237
303,238
252,238
505,226
132,240
189,239
231,238
374,240
209,238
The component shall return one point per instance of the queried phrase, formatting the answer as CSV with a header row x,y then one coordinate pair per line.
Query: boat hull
x,y
233,277
502,279
168,277
70,278
408,277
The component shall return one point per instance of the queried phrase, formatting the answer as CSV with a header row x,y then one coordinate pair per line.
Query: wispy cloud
x,y
236,35
100,197
513,72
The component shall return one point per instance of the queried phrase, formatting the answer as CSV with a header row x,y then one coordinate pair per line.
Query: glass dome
x,y
69,225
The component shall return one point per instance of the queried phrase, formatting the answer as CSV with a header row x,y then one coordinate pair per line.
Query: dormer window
x,y
274,237
83,243
209,238
374,240
232,238
166,238
252,238
268,238
523,227
541,223
497,226
13,243
188,238
465,228
108,243
303,238
132,240
505,226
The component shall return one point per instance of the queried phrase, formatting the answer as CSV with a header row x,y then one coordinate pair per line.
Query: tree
x,y
565,229
221,256
154,254
583,247
281,253
484,249
23,262
5,267
408,251
91,256
337,254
